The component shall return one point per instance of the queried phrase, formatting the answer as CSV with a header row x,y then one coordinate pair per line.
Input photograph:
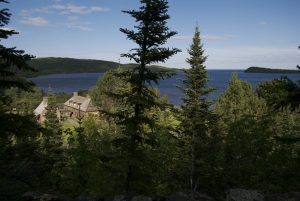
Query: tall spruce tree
x,y
150,35
298,65
19,168
12,61
196,111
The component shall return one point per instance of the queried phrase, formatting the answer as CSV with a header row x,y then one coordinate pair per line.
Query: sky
x,y
236,34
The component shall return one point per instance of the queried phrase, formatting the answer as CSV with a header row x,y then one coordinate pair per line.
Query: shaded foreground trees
x,y
142,146
280,93
22,161
240,150
253,158
16,131
27,151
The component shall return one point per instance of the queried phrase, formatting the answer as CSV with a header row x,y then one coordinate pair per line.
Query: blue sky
x,y
236,33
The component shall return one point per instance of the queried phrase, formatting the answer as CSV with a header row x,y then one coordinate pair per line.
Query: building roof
x,y
42,107
85,103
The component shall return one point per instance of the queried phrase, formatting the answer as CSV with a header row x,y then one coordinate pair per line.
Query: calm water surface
x,y
218,79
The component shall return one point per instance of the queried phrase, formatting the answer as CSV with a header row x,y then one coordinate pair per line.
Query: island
x,y
270,70
58,65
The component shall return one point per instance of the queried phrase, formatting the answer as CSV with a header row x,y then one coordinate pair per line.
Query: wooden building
x,y
79,106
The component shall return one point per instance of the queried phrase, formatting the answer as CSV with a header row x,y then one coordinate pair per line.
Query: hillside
x,y
56,65
269,70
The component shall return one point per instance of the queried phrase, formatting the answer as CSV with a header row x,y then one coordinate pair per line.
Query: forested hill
x,y
54,65
269,70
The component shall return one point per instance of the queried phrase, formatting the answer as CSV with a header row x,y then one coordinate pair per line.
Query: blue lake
x,y
219,79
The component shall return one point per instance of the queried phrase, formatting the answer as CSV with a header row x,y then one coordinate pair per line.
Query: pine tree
x,y
19,168
298,65
239,100
12,61
150,35
196,112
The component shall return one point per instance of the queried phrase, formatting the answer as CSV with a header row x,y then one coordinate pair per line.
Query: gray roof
x,y
41,108
85,103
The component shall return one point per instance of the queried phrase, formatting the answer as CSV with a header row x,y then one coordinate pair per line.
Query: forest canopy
x,y
140,144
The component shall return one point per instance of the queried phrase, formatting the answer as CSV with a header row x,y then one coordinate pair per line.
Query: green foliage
x,y
154,150
140,144
198,121
23,102
257,159
243,134
286,151
20,167
106,86
247,148
134,141
239,100
53,150
255,153
52,65
19,161
280,93
89,151
166,155
153,68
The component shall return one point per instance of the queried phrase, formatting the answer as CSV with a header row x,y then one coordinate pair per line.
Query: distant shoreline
x,y
270,70
58,65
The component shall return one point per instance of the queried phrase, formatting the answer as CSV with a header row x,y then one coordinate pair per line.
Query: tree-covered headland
x,y
55,65
141,144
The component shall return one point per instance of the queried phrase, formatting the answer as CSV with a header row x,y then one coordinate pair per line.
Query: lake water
x,y
219,79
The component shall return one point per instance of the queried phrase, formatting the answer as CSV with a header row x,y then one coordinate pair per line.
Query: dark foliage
x,y
149,35
280,93
12,61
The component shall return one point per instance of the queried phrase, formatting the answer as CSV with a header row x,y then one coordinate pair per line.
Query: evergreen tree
x,y
197,116
52,148
238,100
12,61
150,35
19,160
259,143
279,93
243,129
298,65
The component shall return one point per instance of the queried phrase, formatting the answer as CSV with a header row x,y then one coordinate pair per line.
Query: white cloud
x,y
215,37
75,23
183,37
25,13
65,9
79,27
73,18
35,21
243,57
99,9
205,37
263,23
